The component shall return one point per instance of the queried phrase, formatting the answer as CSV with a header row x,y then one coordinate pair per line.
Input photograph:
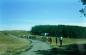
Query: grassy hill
x,y
10,43
16,32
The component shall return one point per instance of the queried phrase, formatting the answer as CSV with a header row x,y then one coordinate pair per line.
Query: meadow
x,y
10,43
68,41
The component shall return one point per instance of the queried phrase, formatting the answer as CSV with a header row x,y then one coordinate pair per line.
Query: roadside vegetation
x,y
11,44
67,41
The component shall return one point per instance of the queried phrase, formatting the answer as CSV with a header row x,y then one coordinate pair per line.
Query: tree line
x,y
67,31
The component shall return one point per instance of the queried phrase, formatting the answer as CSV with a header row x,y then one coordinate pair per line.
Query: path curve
x,y
37,45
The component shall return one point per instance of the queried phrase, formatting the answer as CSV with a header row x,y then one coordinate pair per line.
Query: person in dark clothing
x,y
50,40
56,40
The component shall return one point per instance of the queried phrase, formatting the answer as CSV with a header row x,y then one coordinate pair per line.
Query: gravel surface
x,y
37,45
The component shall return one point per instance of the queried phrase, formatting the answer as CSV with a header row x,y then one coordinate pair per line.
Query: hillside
x,y
10,43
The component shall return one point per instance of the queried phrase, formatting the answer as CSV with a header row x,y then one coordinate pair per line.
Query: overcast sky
x,y
23,14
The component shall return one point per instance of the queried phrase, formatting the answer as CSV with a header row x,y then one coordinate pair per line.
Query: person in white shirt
x,y
60,40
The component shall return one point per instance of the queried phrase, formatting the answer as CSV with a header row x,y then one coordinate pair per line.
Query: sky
x,y
24,14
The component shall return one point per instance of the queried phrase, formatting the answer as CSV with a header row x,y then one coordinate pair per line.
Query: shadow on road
x,y
73,49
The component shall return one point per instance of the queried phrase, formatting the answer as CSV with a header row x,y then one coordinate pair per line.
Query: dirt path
x,y
37,45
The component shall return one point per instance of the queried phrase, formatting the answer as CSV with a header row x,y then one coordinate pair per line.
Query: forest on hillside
x,y
67,31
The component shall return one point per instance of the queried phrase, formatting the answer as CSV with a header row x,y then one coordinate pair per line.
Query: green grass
x,y
11,43
17,33
68,41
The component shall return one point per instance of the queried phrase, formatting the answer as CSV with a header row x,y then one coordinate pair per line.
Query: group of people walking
x,y
56,40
